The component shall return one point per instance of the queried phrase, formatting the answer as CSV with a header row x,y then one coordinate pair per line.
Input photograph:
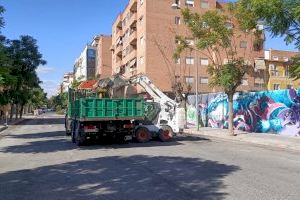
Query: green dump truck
x,y
89,117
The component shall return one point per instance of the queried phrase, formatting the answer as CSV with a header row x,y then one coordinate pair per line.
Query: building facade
x,y
84,67
103,65
143,41
67,81
277,65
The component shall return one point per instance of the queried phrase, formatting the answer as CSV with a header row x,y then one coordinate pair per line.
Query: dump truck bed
x,y
105,109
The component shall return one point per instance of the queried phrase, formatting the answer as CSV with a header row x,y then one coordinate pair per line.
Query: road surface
x,y
37,161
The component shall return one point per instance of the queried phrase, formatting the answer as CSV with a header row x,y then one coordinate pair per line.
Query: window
x,y
285,59
189,60
177,60
259,85
177,20
273,69
276,86
189,79
203,80
204,61
243,44
142,40
141,60
190,42
275,58
177,79
204,25
204,4
245,82
287,72
189,3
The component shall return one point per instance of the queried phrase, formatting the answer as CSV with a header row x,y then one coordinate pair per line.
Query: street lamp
x,y
174,6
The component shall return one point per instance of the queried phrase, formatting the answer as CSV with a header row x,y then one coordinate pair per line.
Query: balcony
x,y
260,64
119,63
133,19
132,5
118,21
132,38
132,55
118,50
119,32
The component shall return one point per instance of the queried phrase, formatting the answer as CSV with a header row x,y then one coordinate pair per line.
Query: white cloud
x,y
50,87
44,69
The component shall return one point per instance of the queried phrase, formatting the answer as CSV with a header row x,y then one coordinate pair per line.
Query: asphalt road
x,y
38,162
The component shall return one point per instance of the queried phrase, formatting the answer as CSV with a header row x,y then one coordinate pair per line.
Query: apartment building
x,y
67,81
84,67
103,65
277,73
143,41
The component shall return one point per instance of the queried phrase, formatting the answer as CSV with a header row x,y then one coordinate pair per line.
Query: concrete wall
x,y
275,111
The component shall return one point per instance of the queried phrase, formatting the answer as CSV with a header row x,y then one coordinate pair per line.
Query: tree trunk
x,y
17,110
230,115
11,111
21,111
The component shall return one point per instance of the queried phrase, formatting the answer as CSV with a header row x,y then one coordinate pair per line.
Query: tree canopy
x,y
216,39
279,17
19,59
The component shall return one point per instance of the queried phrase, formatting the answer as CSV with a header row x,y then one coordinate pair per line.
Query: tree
x,y
216,38
38,97
76,82
25,58
1,17
280,18
6,79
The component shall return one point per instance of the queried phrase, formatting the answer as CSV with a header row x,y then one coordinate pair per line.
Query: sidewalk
x,y
270,140
13,122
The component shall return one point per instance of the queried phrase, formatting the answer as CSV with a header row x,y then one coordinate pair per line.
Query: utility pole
x,y
197,103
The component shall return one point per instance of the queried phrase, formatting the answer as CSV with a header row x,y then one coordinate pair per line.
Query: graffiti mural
x,y
262,112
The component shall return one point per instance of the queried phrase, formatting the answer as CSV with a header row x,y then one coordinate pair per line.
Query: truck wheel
x,y
68,127
165,134
79,140
142,135
73,131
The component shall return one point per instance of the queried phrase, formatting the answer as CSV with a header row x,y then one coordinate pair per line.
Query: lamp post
x,y
197,103
175,6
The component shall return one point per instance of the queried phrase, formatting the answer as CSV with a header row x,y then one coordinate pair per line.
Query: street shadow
x,y
65,144
57,141
43,121
42,146
41,135
114,177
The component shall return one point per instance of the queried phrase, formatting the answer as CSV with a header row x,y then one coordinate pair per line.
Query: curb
x,y
3,128
241,138
13,123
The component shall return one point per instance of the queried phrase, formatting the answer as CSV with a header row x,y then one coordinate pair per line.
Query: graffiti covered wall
x,y
262,112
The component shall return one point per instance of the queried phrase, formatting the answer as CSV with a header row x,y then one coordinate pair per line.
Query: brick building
x,y
143,41
103,66
277,69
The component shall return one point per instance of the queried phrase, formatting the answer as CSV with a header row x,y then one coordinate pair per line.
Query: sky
x,y
63,27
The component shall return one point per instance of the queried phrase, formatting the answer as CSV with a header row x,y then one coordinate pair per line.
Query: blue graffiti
x,y
263,112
